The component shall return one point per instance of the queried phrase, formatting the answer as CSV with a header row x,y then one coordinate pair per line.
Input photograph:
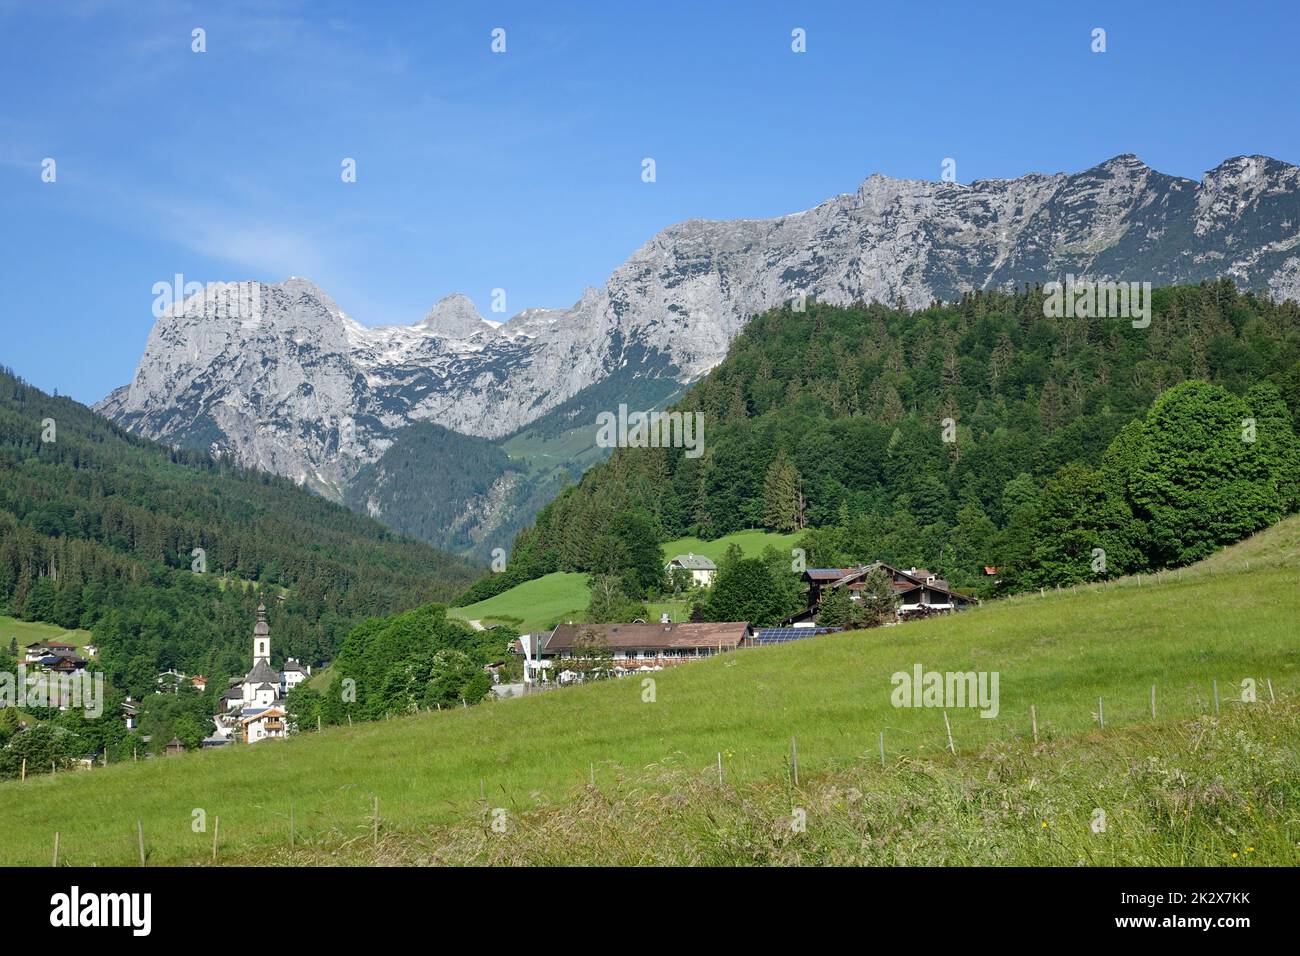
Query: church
x,y
255,703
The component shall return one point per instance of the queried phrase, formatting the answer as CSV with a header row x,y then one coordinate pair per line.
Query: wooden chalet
x,y
920,592
65,663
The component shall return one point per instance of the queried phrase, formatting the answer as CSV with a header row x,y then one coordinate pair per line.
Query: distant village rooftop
x,y
727,635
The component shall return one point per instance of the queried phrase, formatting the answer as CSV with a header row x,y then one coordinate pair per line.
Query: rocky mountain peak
x,y
454,317
303,390
1125,161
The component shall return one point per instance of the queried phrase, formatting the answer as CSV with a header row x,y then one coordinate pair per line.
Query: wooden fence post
x,y
376,821
1153,701
882,750
1214,684
720,768
794,760
24,771
139,835
1271,698
1101,713
1033,719
216,832
293,827
56,849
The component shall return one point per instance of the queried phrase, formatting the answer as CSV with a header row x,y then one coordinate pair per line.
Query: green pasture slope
x,y
1186,787
562,596
535,604
28,631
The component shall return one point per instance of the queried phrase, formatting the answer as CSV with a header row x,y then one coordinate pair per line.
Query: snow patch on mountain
x,y
300,388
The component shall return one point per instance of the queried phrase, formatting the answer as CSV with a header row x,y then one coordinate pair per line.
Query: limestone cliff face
x,y
295,386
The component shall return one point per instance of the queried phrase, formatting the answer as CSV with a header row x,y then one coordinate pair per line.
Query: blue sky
x,y
522,170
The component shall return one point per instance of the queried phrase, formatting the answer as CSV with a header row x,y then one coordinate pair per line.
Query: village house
x,y
293,674
636,647
64,663
170,681
38,651
131,713
919,592
54,656
261,724
701,568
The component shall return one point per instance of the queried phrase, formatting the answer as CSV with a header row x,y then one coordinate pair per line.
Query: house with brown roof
x,y
920,592
262,724
643,647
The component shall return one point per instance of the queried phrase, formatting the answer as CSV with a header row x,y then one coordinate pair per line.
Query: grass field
x,y
563,596
534,604
1203,791
26,632
1171,779
751,543
321,678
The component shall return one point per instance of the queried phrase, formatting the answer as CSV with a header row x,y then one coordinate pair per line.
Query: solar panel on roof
x,y
782,635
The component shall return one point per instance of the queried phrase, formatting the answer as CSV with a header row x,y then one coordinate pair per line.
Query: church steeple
x,y
261,637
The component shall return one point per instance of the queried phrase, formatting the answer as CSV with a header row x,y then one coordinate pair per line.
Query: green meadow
x,y
751,543
562,596
542,602
1067,658
25,632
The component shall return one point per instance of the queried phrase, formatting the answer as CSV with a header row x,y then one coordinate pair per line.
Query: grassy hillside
x,y
533,604
562,595
752,543
1172,782
27,631
1012,803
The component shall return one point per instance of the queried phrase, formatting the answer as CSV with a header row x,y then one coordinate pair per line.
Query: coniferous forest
x,y
969,435
98,530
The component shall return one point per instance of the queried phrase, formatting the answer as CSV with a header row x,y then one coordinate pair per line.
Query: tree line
x,y
966,435
99,530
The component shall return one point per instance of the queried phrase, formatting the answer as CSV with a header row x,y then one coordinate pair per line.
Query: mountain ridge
x,y
302,389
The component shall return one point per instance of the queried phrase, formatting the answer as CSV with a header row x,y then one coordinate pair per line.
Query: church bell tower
x,y
261,637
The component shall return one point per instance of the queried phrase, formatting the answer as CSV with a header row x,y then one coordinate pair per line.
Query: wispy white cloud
x,y
266,249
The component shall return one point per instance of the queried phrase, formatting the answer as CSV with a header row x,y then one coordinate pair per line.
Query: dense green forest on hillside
x,y
423,483
472,495
967,435
98,530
